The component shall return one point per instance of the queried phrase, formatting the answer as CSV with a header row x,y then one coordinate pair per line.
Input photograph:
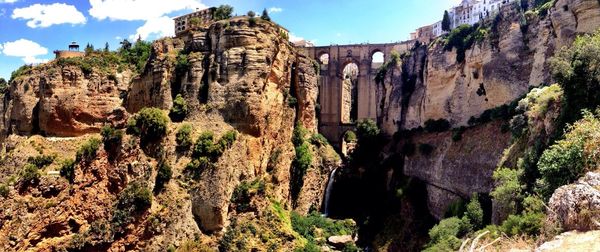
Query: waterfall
x,y
328,192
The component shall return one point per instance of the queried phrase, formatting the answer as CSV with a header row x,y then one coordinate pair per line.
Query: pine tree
x,y
446,21
106,47
265,15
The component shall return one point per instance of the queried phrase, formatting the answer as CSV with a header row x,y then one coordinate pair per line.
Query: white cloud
x,y
26,50
132,10
8,1
153,12
47,15
275,10
161,27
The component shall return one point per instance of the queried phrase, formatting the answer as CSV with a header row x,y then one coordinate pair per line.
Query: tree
x,y
3,86
106,47
125,45
446,21
179,110
223,12
89,48
265,15
251,14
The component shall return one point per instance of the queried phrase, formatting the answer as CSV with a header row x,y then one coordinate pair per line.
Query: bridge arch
x,y
377,58
323,58
350,83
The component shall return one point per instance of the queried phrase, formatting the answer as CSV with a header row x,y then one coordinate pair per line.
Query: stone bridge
x,y
347,88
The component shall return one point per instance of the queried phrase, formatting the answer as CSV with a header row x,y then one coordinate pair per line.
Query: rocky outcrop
x,y
63,101
240,76
577,206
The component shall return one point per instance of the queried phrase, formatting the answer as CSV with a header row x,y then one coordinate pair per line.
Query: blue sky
x,y
31,29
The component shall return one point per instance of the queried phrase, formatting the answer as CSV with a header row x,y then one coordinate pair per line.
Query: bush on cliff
x,y
4,190
67,170
568,159
87,152
183,137
41,161
150,123
30,174
223,12
163,175
179,110
134,199
112,139
315,226
576,70
243,193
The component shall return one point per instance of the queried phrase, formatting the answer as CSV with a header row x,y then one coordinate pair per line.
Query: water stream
x,y
328,192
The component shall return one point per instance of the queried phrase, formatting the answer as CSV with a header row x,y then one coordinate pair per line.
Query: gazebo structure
x,y
73,52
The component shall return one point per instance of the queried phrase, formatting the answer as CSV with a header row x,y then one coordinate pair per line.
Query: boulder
x,y
577,206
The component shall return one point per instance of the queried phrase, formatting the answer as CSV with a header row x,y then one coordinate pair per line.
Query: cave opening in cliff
x,y
350,93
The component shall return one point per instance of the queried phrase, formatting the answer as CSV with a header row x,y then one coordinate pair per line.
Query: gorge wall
x,y
430,84
236,75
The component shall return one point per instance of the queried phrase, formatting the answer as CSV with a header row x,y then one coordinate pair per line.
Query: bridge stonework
x,y
331,89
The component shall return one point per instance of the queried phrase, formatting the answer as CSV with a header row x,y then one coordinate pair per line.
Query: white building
x,y
468,12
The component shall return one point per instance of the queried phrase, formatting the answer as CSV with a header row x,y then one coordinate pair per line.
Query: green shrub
x,y
223,12
87,152
183,137
461,38
136,55
299,135
439,125
367,129
205,146
228,139
251,14
318,140
252,21
518,125
527,223
443,236
152,124
474,213
182,63
244,192
41,161
197,166
315,226
163,175
292,101
426,149
30,174
350,137
265,15
132,128
576,70
179,110
4,190
67,170
508,188
112,139
23,70
134,199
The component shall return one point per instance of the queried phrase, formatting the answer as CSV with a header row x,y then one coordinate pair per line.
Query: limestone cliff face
x,y
238,77
63,101
431,84
496,71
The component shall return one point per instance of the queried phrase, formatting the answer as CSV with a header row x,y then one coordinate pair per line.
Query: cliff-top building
x,y
198,18
468,12
73,52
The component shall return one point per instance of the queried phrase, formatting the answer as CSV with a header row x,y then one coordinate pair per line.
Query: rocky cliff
x,y
235,75
511,57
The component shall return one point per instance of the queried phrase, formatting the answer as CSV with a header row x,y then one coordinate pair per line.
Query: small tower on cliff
x,y
73,52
